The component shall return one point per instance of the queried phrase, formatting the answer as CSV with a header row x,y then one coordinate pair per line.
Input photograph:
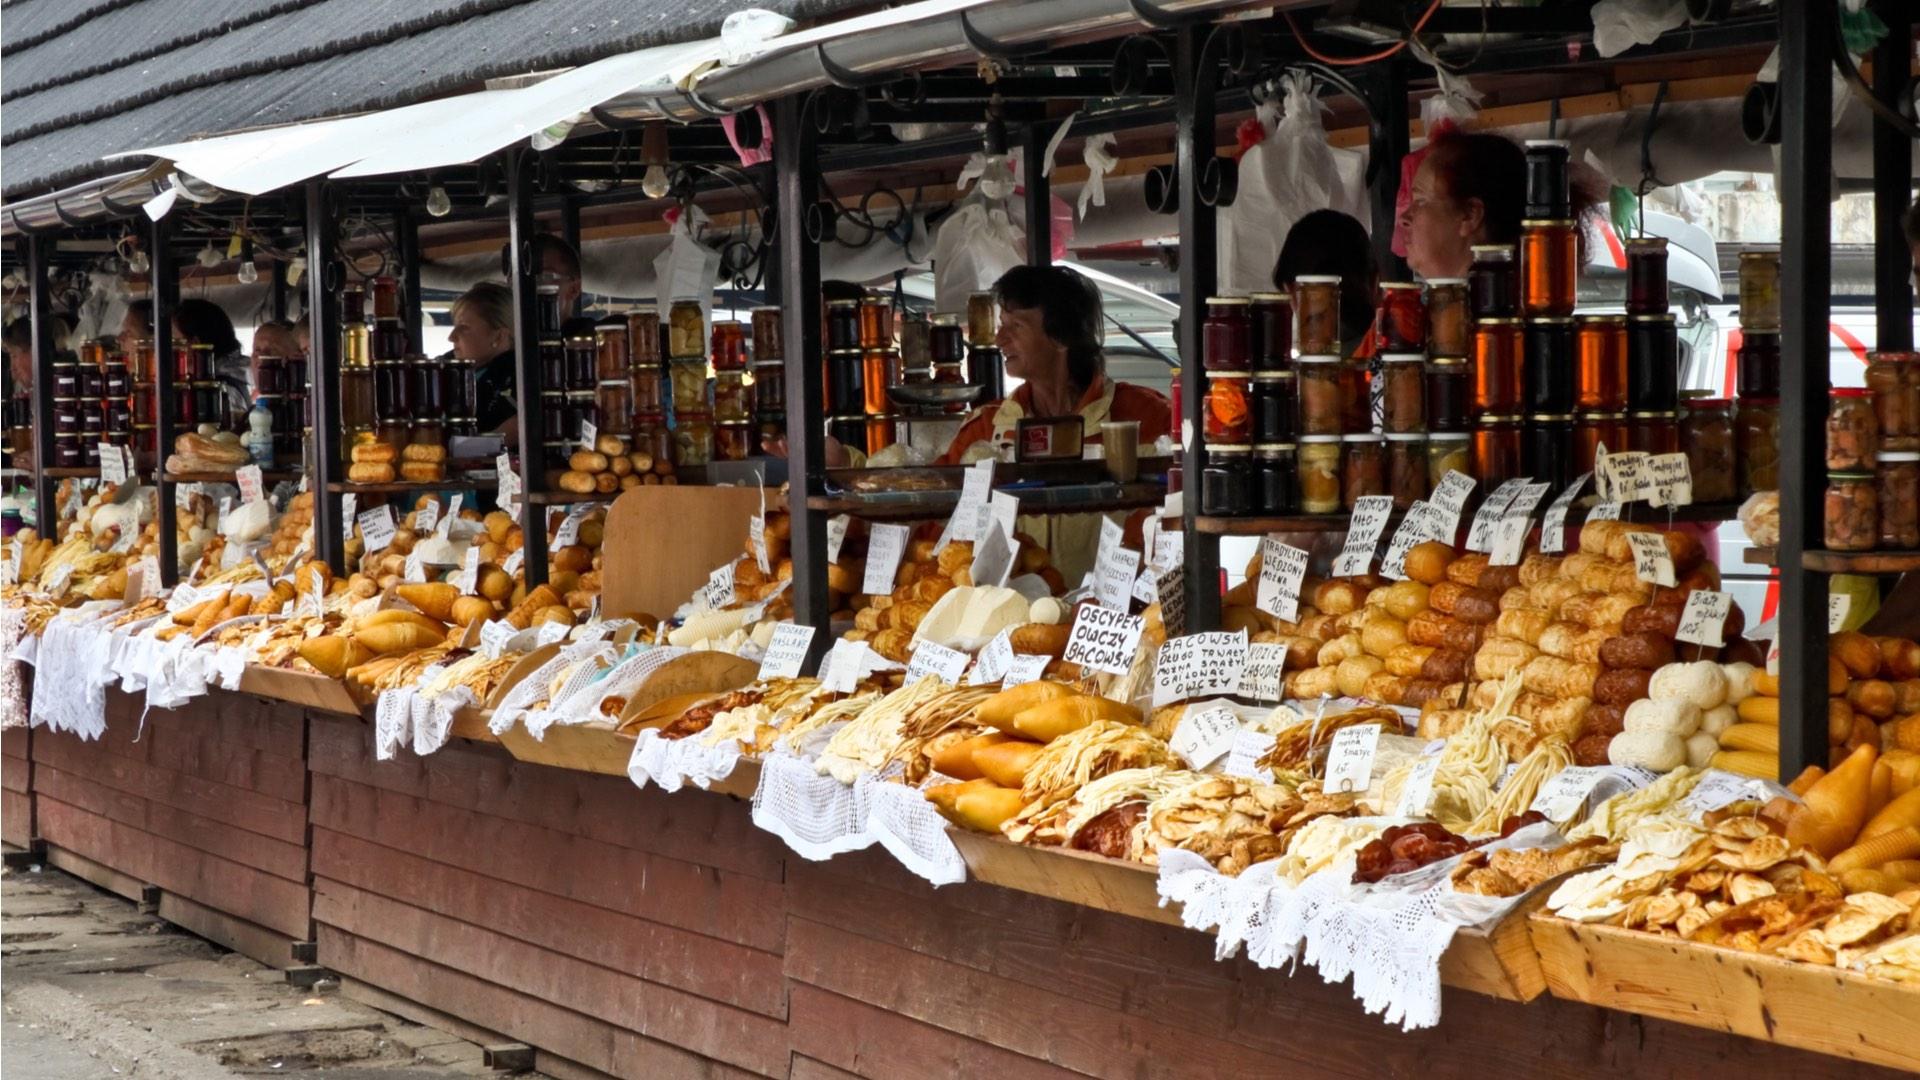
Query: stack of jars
x,y
271,385
1873,458
947,353
769,377
1545,343
1252,408
359,398
732,407
397,398
862,363
687,366
1758,373
146,400
647,394
985,366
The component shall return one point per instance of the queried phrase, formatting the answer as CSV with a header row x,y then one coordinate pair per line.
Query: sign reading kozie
x,y
1104,639
1199,665
1263,676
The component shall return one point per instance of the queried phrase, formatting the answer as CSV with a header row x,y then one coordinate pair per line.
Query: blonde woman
x,y
483,335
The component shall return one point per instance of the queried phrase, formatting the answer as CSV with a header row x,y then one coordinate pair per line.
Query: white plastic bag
x,y
1619,25
686,268
977,242
1286,176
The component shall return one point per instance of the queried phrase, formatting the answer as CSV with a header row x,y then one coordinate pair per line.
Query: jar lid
x,y
1601,416
746,423
843,303
1605,317
1316,359
1229,448
988,351
1216,376
1362,437
1227,300
612,324
1892,357
1496,250
1319,438
1762,402
1849,477
1658,243
1547,223
1434,283
940,318
1850,392
1651,414
1491,418
1515,321
1447,361
1775,254
1406,437
1549,320
1287,448
1269,376
1317,279
1551,418
1448,436
1547,144
1663,317
1272,298
841,352
1402,358
1706,403
1414,285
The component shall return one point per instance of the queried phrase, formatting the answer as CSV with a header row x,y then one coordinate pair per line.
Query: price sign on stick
x,y
1450,498
1113,577
376,527
1204,736
1651,563
1492,509
1416,795
837,535
248,478
884,549
1416,527
1839,605
1282,569
1025,669
933,658
1262,679
718,594
1703,619
1350,758
1199,665
1249,746
113,467
787,651
994,659
1104,639
1671,480
1369,520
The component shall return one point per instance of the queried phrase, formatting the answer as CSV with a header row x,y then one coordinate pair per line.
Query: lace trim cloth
x,y
677,763
820,817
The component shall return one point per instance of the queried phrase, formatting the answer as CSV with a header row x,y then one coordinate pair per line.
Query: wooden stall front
x,y
16,787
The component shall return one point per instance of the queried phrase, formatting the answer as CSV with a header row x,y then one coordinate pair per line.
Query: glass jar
x,y
1226,482
1647,275
1493,282
460,387
649,388
579,362
947,339
1403,393
391,391
1364,470
388,340
693,439
1276,479
848,430
1322,395
880,433
93,419
66,416
1758,364
1547,451
581,410
980,322
846,383
353,302
1706,437
876,321
1894,378
269,376
93,383
1853,430
1653,363
66,451
356,399
686,331
1549,267
1402,319
1757,432
689,379
643,338
1226,342
1229,416
1274,407
1320,475
145,398
843,324
1316,307
769,388
1591,432
1653,432
1497,366
1496,450
553,365
1549,365
1448,394
730,397
1549,192
139,357
1448,451
769,335
1852,512
614,404
554,415
297,375
729,346
650,434
1760,290
1449,317
1407,469
1898,488
1272,318
66,380
610,356
733,441
206,366
986,369
1356,396
879,370
1600,362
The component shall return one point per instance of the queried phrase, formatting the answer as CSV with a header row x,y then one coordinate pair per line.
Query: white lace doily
x,y
820,817
676,763
71,674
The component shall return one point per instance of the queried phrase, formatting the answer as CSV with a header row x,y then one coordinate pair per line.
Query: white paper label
x,y
509,494
786,652
1169,550
1450,498
933,658
376,528
1146,587
568,534
1104,639
1282,568
1262,678
548,633
757,542
1025,669
414,570
1718,790
1703,619
844,666
494,636
1199,665
717,593
1004,510
468,579
56,580
1111,536
514,561
1369,520
1249,746
143,579
1553,529
453,513
425,518
1113,577
1510,535
1672,480
992,557
589,434
1492,509
994,659
1839,606
1628,479
183,597
1416,795
1420,525
348,503
113,467
884,549
1350,759
1651,562
1204,736
975,488
246,476
1605,510
1561,795
837,536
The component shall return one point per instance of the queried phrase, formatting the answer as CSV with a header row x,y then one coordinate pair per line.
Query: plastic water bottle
x,y
259,437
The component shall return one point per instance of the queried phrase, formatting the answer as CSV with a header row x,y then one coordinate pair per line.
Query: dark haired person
x,y
203,322
558,264
1471,188
1330,242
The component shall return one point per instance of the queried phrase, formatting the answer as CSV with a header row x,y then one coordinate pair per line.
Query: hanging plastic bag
x,y
976,244
686,269
1284,177
1098,154
1619,25
744,34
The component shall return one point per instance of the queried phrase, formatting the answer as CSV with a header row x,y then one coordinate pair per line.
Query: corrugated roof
x,y
127,73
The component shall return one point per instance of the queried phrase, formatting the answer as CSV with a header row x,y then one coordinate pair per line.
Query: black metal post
x,y
46,514
570,223
278,269
1199,246
797,167
1387,94
1892,183
1039,196
330,530
523,274
163,289
406,251
1806,103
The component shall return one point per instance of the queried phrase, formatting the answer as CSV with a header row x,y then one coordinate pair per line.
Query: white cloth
x,y
820,817
676,763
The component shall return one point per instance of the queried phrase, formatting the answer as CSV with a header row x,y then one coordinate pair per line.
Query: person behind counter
x,y
273,338
1330,242
203,322
19,344
482,334
559,263
1471,188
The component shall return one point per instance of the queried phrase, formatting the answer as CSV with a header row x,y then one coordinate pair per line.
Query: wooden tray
x,y
582,747
300,688
1816,1008
471,724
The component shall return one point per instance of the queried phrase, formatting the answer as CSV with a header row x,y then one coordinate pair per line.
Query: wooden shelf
x,y
71,472
408,487
568,498
267,476
932,505
1697,512
1337,523
1860,562
1761,556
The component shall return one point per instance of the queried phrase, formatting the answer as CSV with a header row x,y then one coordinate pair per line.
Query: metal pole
x,y
1389,102
1193,147
1892,184
1039,196
1806,102
406,251
330,530
570,223
797,167
46,514
523,272
279,293
163,288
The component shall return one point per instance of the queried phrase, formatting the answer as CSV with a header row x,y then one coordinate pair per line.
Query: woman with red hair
x,y
1470,189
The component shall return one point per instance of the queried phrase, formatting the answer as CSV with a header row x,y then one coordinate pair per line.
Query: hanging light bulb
x,y
438,204
248,272
656,182
137,261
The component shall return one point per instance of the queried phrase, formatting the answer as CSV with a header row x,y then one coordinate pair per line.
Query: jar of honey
x,y
1549,267
879,371
1600,364
980,323
876,321
1760,290
1498,359
1496,450
1593,430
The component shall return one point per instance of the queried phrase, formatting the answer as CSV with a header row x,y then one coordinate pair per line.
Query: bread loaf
x,y
375,453
424,452
213,451
420,472
366,472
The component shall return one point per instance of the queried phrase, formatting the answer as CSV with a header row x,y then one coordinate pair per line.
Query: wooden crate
x,y
1835,1012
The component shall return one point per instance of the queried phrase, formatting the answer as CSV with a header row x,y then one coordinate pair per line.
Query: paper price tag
x,y
494,636
992,556
514,561
1414,528
113,467
1169,550
550,632
884,549
786,652
1199,665
933,658
1492,510
1369,520
1416,795
1172,589
414,570
589,434
1605,510
1651,563
376,527
568,534
1510,540
1628,478
1004,510
994,660
843,666
1350,759
1703,619
1262,678
757,541
1104,639
1718,790
976,487
1111,536
1204,736
1113,577
182,598
1839,606
1563,793
717,593
1025,669
1146,587
1249,747
425,518
837,535
57,579
468,579
509,481
1282,569
246,476
1670,480
1450,498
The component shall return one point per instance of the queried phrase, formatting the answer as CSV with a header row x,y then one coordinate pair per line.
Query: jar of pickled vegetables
x,y
1898,488
650,434
1322,395
1228,413
980,325
1403,393
1316,307
1448,451
686,331
1706,436
649,388
1894,378
1760,290
733,441
1402,319
1407,469
1356,396
613,403
1363,471
1757,429
643,338
730,397
1227,334
1449,317
1853,430
728,346
689,379
693,438
1320,476
1852,516
769,335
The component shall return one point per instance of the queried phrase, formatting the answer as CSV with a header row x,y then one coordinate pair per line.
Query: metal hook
x,y
1157,16
844,78
993,48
